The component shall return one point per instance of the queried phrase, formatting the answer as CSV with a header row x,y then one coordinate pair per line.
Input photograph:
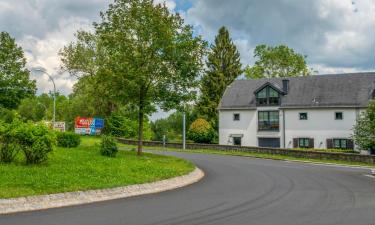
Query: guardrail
x,y
349,157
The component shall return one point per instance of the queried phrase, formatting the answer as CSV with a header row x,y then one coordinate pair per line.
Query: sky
x,y
337,36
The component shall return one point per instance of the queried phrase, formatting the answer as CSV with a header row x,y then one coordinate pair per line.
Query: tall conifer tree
x,y
223,67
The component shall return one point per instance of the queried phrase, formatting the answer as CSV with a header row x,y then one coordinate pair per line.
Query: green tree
x,y
32,109
223,67
278,61
148,57
364,130
15,83
171,126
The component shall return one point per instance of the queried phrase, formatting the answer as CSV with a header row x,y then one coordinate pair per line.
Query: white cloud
x,y
44,52
171,5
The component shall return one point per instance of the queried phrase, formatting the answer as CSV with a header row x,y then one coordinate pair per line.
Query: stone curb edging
x,y
83,197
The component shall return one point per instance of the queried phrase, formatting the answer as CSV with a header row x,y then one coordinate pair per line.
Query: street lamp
x,y
41,69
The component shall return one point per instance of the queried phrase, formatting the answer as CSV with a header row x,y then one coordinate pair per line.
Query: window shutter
x,y
295,142
311,143
350,144
329,143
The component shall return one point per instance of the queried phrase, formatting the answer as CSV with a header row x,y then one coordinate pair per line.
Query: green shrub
x,y
34,140
108,146
68,139
8,152
200,131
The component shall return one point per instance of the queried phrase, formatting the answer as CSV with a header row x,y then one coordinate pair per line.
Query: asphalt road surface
x,y
235,191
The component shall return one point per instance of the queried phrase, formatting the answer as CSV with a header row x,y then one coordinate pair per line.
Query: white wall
x,y
320,125
246,126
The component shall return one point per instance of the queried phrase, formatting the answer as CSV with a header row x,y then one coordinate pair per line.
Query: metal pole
x,y
184,130
41,69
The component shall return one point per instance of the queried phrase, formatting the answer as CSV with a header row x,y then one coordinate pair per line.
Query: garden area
x,y
85,163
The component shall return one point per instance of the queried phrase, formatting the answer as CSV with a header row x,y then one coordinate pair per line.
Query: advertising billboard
x,y
88,125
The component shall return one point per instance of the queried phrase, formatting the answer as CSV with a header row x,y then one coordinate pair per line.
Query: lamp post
x,y
41,69
184,123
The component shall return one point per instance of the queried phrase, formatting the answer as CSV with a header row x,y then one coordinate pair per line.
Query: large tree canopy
x,y
223,67
142,54
15,83
278,61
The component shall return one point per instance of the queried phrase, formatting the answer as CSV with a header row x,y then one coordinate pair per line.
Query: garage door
x,y
269,142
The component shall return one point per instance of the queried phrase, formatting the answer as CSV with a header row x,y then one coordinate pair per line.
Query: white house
x,y
299,112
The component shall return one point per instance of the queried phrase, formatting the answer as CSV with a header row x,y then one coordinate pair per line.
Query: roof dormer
x,y
268,95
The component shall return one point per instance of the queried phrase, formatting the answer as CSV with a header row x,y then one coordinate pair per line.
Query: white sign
x,y
59,126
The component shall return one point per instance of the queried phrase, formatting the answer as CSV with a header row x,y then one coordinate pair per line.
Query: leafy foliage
x,y
123,124
140,52
108,146
7,115
223,67
14,77
278,61
8,150
68,139
201,131
35,140
171,126
364,130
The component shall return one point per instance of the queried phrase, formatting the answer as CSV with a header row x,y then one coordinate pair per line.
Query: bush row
x,y
34,140
68,139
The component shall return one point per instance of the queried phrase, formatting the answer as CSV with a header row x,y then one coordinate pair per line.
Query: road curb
x,y
83,197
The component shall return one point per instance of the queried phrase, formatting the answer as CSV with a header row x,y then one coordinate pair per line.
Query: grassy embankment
x,y
83,168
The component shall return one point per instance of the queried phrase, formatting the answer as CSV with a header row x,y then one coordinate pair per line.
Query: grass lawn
x,y
256,155
83,168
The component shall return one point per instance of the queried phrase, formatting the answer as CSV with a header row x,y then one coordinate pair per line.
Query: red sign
x,y
82,122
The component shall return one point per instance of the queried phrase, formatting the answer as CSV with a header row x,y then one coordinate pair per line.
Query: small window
x,y
237,141
339,116
303,116
340,143
236,117
303,142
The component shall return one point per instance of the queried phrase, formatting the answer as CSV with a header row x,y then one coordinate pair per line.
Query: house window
x,y
236,117
268,96
303,142
340,143
339,116
268,120
303,116
237,141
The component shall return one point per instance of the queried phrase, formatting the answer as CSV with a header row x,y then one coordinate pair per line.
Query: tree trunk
x,y
140,130
140,122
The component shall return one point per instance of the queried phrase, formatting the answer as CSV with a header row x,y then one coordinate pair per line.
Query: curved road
x,y
235,191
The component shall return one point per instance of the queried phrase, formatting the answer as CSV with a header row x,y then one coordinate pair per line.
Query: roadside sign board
x,y
88,125
59,126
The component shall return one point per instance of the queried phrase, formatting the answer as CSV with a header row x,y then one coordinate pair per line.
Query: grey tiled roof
x,y
339,90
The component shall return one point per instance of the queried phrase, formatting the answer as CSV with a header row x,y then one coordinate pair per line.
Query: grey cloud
x,y
37,17
329,32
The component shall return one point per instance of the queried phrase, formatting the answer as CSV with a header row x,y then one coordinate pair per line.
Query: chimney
x,y
285,86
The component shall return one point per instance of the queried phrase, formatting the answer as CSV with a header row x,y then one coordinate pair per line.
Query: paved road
x,y
235,191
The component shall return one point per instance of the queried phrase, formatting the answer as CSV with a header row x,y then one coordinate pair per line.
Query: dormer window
x,y
268,97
